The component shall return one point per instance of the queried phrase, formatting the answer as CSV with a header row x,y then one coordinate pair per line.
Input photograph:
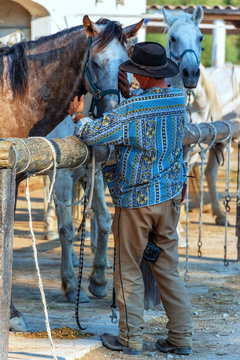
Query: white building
x,y
31,19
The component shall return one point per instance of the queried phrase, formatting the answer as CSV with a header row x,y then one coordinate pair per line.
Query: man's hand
x,y
76,108
123,84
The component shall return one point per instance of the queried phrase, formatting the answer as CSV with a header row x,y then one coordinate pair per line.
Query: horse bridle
x,y
98,93
180,57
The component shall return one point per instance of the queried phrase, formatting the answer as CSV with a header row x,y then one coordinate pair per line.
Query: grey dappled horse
x,y
40,78
184,47
103,68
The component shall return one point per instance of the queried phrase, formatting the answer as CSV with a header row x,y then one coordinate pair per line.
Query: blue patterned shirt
x,y
147,132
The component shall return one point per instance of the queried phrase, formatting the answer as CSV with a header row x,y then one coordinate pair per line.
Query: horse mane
x,y
17,66
113,29
211,94
17,59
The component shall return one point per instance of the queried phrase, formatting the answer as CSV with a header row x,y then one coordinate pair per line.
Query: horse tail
x,y
17,67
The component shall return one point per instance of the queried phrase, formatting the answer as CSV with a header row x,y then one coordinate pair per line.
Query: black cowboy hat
x,y
149,59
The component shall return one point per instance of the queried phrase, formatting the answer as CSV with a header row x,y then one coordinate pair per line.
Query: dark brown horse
x,y
40,78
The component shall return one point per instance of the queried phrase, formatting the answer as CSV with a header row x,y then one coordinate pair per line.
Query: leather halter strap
x,y
98,93
180,57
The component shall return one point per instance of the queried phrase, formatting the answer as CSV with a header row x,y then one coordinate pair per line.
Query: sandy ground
x,y
214,288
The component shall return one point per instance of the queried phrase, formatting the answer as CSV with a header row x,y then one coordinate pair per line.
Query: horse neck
x,y
55,76
176,81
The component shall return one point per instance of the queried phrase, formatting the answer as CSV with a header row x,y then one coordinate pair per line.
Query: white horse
x,y
184,46
185,50
116,53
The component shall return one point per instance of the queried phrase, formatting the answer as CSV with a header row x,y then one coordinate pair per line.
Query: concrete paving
x,y
22,348
40,349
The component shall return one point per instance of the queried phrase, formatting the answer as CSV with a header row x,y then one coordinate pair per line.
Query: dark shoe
x,y
165,346
111,342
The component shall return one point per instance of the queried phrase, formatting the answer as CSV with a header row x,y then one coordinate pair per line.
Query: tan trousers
x,y
130,229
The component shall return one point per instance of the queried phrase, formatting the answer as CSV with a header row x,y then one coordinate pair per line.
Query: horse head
x,y
106,51
185,43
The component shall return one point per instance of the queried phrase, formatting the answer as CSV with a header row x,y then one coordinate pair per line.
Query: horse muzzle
x,y
190,77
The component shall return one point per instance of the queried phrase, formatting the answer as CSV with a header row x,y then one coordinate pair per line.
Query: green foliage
x,y
206,58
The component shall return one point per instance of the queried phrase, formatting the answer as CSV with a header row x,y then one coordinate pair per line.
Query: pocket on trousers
x,y
176,208
176,202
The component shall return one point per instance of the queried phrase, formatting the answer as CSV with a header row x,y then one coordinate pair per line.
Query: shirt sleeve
x,y
107,130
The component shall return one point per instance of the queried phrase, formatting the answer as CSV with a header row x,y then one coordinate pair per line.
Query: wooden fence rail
x,y
35,155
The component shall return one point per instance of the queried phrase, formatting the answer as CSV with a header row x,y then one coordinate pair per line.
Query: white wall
x,y
14,17
70,13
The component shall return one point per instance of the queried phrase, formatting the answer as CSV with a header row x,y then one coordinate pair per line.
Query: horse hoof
x,y
18,324
99,291
220,220
71,296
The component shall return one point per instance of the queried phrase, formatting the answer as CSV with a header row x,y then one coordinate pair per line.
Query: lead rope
x,y
190,148
34,246
40,284
203,153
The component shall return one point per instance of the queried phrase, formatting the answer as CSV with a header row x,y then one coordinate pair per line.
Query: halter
x,y
180,57
98,93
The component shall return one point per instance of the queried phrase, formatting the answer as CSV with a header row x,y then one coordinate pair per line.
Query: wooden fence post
x,y
7,202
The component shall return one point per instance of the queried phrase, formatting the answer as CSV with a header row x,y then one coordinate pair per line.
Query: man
x,y
146,185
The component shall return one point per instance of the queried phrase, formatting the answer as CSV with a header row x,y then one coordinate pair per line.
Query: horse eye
x,y
173,39
95,64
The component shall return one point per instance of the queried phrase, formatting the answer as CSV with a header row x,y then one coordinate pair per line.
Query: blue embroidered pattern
x,y
147,131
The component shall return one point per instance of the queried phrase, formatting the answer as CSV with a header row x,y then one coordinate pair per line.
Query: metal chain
x,y
186,274
227,194
203,153
189,148
114,304
188,106
82,227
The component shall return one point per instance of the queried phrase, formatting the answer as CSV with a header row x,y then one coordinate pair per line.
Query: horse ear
x,y
91,28
131,30
197,15
169,18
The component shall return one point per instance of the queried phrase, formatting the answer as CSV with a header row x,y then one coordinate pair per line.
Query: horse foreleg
x,y
64,194
98,280
49,212
211,173
94,234
93,237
